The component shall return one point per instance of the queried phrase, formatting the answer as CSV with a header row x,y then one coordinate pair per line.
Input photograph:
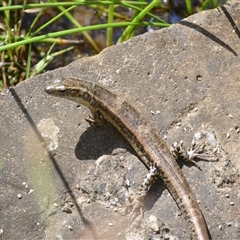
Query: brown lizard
x,y
146,141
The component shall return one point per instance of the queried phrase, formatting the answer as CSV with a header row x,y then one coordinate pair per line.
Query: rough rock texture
x,y
61,179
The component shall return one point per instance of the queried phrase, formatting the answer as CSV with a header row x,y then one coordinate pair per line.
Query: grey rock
x,y
184,80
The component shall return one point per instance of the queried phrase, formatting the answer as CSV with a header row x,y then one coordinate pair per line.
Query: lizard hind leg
x,y
195,152
137,203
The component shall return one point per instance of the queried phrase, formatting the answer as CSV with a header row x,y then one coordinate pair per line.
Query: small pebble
x,y
69,227
66,209
30,191
153,223
19,196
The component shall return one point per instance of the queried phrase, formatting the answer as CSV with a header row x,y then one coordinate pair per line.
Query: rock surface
x,y
61,179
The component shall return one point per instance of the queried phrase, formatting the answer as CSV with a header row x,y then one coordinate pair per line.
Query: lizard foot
x,y
196,151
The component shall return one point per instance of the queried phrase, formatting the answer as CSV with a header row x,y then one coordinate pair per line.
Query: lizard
x,y
152,150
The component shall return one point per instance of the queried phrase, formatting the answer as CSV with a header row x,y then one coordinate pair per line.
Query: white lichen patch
x,y
50,132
